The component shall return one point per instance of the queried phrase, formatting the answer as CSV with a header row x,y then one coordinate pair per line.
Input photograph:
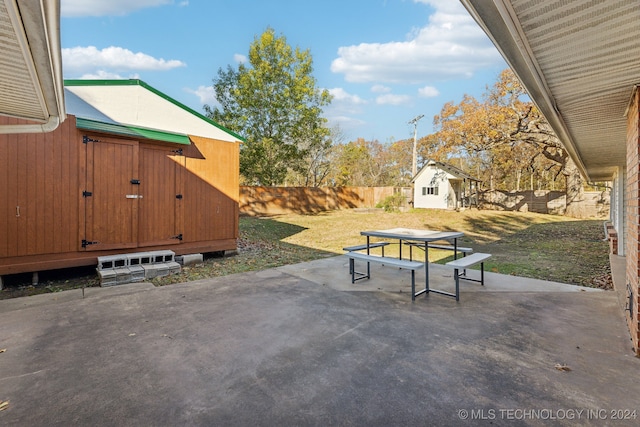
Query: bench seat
x,y
451,248
464,263
463,250
395,262
363,247
469,261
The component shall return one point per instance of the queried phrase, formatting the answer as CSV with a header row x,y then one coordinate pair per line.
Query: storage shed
x,y
129,170
441,186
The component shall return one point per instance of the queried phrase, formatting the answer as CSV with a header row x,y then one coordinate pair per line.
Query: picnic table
x,y
417,237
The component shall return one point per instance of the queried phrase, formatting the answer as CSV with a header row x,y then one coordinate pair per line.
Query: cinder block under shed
x,y
190,259
107,277
136,267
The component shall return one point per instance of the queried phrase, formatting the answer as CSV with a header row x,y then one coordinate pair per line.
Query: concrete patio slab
x,y
333,271
287,346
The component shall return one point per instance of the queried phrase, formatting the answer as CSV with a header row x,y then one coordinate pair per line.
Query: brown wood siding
x,y
158,207
211,190
111,214
43,216
39,213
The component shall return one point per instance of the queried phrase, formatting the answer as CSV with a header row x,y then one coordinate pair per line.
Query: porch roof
x,y
31,65
458,173
580,63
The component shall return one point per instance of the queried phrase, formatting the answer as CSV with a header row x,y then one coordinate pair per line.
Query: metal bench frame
x,y
362,248
463,263
395,262
460,249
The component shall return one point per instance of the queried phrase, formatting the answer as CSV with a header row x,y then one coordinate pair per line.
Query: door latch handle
x,y
133,196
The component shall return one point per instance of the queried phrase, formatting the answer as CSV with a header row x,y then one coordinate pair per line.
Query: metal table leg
x,y
426,268
368,264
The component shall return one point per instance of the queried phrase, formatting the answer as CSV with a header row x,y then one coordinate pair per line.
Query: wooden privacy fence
x,y
281,200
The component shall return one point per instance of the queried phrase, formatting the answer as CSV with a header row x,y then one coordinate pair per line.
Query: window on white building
x,y
431,191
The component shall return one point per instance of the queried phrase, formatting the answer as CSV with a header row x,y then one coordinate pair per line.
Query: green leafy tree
x,y
317,162
274,103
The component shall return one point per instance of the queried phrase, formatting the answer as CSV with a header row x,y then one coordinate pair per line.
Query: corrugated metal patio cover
x,y
580,61
30,62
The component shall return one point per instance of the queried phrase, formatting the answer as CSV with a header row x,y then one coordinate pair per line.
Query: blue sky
x,y
385,61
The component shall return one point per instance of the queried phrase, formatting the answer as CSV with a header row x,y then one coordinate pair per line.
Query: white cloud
x,y
76,8
341,95
443,6
450,46
391,99
428,92
112,60
344,109
239,58
380,89
346,124
206,94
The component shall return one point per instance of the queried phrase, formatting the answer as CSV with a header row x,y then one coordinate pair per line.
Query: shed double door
x,y
131,195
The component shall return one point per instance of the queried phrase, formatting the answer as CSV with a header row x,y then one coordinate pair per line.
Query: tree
x,y
401,162
507,118
363,163
317,162
274,103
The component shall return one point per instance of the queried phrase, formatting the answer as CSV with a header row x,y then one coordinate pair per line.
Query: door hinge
x,y
179,196
86,243
87,194
178,151
177,236
86,139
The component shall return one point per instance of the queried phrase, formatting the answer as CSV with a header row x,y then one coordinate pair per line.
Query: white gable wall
x,y
137,106
431,178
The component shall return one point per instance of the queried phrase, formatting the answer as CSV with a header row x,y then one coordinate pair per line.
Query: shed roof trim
x,y
132,131
138,82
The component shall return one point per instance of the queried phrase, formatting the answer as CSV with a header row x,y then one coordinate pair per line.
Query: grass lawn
x,y
539,246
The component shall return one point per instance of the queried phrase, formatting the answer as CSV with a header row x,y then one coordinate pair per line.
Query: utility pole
x,y
414,165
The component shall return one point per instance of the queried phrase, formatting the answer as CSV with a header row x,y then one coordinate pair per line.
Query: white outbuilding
x,y
441,186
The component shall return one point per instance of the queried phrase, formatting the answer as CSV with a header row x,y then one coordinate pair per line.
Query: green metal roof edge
x,y
98,126
138,82
134,131
159,135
